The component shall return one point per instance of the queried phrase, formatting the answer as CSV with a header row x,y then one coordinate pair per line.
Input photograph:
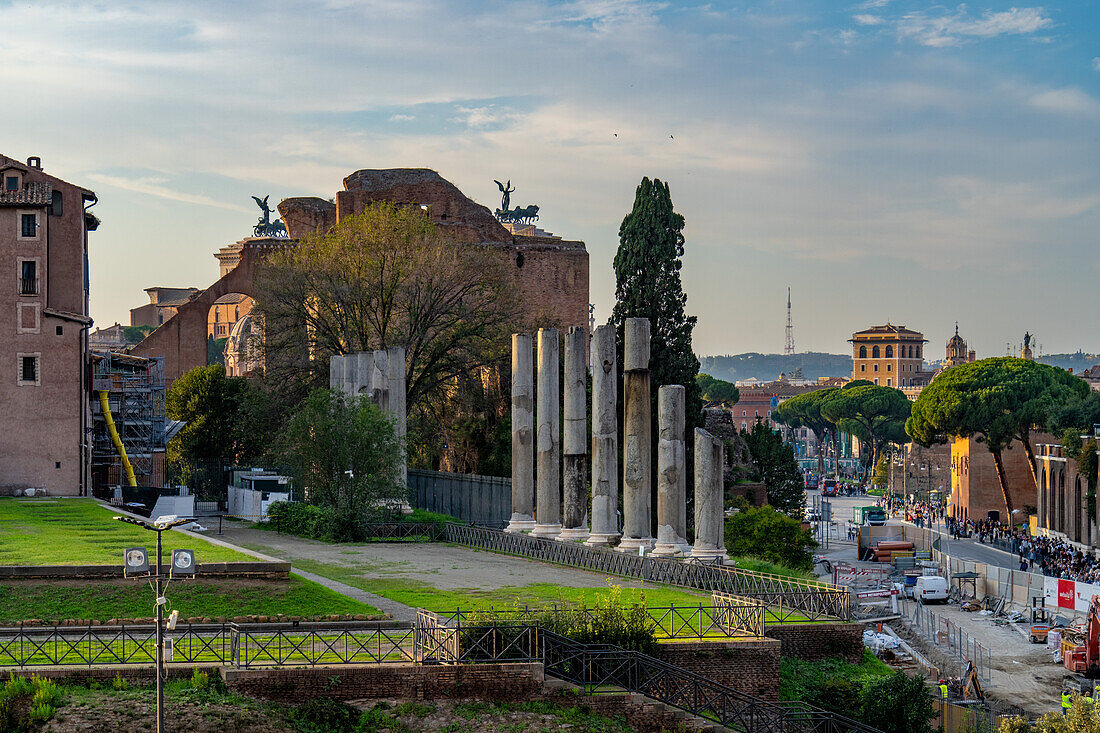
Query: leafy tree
x,y
876,415
765,533
647,285
717,390
804,411
386,277
998,399
1084,717
898,704
135,334
776,466
346,457
1073,419
214,407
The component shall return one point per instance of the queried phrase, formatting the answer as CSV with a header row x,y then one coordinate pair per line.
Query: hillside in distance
x,y
1077,361
767,367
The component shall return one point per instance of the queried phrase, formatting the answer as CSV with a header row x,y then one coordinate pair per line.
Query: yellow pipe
x,y
115,439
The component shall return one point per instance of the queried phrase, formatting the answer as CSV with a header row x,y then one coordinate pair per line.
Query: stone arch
x,y
181,340
1044,512
1077,509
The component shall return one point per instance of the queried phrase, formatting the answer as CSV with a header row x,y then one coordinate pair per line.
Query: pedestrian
x,y
1067,702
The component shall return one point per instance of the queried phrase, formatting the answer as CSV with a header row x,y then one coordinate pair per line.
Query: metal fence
x,y
483,500
947,635
790,600
729,618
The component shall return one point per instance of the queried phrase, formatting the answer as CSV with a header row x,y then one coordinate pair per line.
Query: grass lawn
x,y
81,532
420,595
103,600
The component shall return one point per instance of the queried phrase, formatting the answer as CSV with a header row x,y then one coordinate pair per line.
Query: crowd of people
x,y
1050,556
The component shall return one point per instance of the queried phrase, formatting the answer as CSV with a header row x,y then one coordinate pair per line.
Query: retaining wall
x,y
751,667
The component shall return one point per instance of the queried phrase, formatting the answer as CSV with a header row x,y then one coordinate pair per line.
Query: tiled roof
x,y
32,194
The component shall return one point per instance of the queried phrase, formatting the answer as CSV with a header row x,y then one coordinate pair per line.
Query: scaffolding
x,y
135,395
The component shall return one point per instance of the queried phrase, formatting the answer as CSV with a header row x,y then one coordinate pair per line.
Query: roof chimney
x,y
34,162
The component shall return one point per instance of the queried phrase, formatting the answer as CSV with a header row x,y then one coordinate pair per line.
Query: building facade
x,y
163,304
890,356
44,225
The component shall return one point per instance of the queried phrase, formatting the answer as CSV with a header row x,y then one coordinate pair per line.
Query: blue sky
x,y
906,161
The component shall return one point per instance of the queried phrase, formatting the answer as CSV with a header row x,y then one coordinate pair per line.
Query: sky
x,y
910,162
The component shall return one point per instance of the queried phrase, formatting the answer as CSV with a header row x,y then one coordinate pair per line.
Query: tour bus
x,y
828,487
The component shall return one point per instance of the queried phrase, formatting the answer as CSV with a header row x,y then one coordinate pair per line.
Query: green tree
x,y
1073,419
804,411
898,704
346,457
876,415
776,466
717,390
998,400
769,535
647,285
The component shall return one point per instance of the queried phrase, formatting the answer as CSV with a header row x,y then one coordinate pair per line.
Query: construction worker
x,y
1067,702
943,690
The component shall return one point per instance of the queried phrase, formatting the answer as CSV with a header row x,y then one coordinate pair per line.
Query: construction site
x,y
129,428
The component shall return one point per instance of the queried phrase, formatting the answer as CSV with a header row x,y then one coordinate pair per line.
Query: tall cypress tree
x,y
647,285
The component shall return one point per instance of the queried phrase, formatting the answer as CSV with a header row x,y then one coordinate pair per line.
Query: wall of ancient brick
x,y
814,642
975,488
751,667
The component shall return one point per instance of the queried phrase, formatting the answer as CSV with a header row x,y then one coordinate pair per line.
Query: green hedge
x,y
299,518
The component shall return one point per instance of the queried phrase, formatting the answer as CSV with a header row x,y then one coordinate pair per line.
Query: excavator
x,y
1085,659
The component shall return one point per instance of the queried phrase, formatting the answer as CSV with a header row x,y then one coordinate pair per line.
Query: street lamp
x,y
135,564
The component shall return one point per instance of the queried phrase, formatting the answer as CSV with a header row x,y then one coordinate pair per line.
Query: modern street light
x,y
136,564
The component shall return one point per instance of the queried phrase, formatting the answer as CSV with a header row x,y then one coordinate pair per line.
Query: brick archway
x,y
181,340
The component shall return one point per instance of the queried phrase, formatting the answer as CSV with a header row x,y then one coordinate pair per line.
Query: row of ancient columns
x,y
540,492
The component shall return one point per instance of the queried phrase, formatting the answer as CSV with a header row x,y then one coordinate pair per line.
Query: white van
x,y
930,588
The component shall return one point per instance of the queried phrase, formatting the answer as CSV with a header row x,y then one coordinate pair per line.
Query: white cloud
x,y
402,118
155,187
1096,63
872,4
1065,101
952,30
869,19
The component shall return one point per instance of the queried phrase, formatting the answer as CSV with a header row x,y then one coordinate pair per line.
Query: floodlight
x,y
163,521
135,561
172,619
183,562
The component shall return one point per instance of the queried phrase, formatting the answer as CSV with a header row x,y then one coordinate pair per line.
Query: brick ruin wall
x,y
814,642
751,667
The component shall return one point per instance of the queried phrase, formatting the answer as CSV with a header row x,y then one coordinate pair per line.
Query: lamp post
x,y
136,564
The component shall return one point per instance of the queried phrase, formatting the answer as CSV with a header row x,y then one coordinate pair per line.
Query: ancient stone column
x,y
671,479
335,372
605,438
636,437
547,438
574,444
523,436
395,375
351,365
709,510
364,371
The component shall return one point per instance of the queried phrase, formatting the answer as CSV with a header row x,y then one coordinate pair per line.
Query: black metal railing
x,y
593,667
729,617
790,600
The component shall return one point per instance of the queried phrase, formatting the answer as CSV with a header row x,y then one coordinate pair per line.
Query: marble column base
x,y
520,523
573,534
546,531
631,544
709,555
601,540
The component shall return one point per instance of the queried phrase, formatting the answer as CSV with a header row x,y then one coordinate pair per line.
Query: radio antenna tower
x,y
788,347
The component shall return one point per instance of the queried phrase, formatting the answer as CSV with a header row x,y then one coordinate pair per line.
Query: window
x,y
28,369
876,367
11,183
28,277
744,413
744,425
874,352
56,208
918,352
889,351
876,380
757,413
887,382
889,367
863,367
236,313
28,226
60,331
862,352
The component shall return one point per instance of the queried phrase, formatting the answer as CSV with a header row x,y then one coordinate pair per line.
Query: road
x,y
965,549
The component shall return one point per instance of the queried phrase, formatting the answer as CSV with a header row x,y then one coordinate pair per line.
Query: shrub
x,y
769,535
322,715
299,518
118,684
26,702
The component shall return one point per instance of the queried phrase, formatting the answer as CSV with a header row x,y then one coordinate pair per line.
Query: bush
x,y
769,535
299,518
898,704
831,684
26,702
322,715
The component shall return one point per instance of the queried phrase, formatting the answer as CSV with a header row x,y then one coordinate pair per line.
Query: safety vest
x,y
1066,701
943,691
